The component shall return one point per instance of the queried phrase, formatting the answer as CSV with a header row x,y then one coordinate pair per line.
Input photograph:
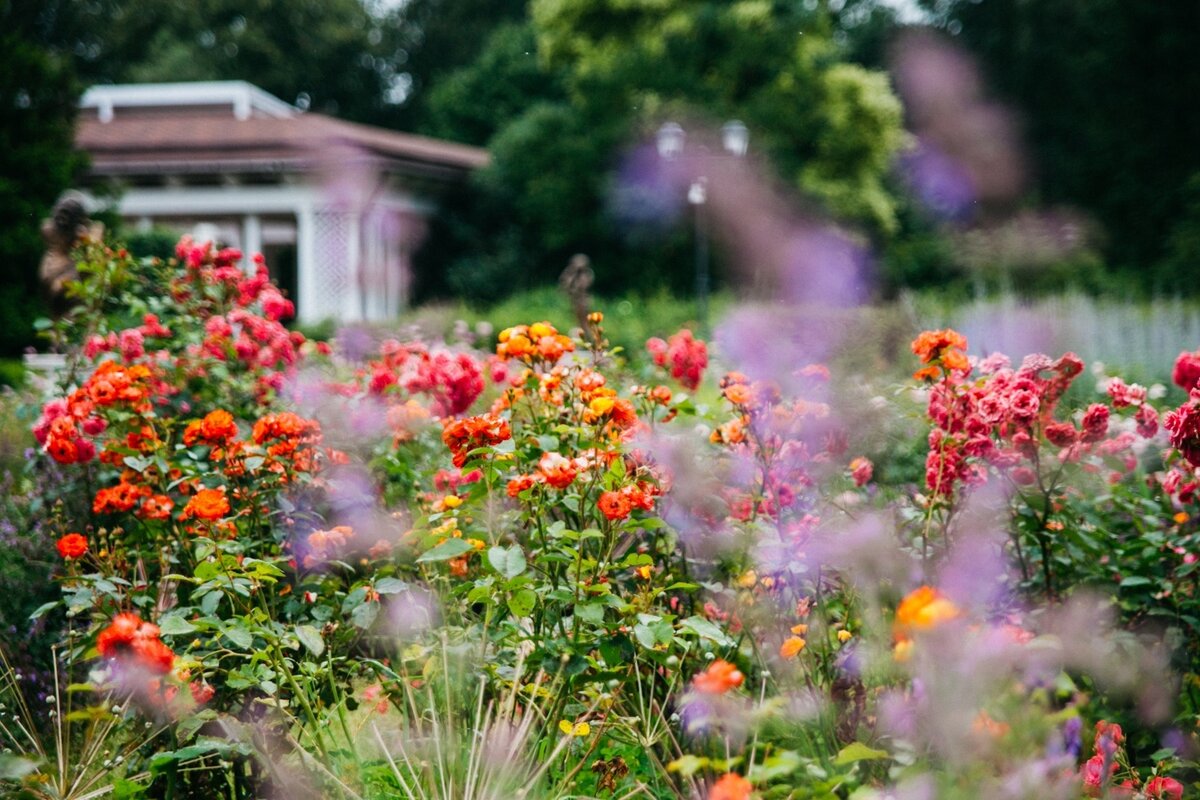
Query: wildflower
x,y
923,608
932,345
719,678
127,635
1187,371
861,469
72,546
557,470
844,636
577,729
730,786
217,428
792,646
156,506
614,505
1163,788
207,504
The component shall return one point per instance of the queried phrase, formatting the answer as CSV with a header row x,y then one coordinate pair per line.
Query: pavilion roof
x,y
189,140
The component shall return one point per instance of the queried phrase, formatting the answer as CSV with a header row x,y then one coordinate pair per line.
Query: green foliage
x,y
38,95
335,52
607,74
439,37
1099,86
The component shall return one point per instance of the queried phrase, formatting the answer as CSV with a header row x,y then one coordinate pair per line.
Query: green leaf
x,y
364,615
857,751
175,625
240,636
590,612
688,765
705,629
784,763
521,603
310,637
390,586
509,562
138,464
1135,580
43,608
451,548
654,634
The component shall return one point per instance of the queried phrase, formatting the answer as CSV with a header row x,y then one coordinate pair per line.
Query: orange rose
x,y
921,609
614,505
207,504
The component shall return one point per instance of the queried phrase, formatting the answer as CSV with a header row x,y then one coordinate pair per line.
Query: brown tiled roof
x,y
194,140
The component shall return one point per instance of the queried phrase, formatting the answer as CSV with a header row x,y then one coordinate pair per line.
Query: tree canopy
x,y
561,98
1104,88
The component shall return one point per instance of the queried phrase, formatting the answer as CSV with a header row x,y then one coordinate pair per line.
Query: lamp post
x,y
671,140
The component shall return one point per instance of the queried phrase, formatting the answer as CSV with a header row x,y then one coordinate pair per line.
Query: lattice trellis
x,y
331,234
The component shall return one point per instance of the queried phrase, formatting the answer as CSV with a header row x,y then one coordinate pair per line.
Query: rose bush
x,y
385,568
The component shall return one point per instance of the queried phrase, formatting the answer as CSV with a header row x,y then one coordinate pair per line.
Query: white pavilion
x,y
337,208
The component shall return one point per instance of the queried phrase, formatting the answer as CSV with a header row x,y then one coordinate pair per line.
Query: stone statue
x,y
575,281
67,224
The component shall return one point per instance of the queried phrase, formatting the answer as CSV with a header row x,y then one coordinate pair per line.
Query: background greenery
x,y
558,89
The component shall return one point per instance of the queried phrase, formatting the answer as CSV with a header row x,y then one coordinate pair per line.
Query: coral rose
x,y
730,786
719,678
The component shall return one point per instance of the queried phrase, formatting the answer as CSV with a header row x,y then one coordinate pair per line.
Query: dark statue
x,y
67,225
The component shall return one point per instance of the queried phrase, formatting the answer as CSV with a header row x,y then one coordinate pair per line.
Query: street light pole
x,y
670,140
697,197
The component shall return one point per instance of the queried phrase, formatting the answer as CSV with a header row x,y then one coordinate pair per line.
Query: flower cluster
x,y
784,440
453,381
464,435
65,425
1002,417
536,343
129,640
1108,763
683,354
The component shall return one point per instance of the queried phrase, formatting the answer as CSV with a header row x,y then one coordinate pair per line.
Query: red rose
x,y
73,545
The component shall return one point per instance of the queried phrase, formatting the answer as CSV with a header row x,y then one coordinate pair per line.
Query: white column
x,y
251,240
306,267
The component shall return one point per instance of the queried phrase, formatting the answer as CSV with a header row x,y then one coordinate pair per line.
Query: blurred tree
x,y
609,72
333,56
38,99
1106,89
830,126
436,37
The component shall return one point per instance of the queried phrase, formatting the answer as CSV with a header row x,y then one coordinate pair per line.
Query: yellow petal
x,y
792,646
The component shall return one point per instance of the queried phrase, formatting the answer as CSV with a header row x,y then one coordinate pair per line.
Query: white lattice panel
x,y
332,267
